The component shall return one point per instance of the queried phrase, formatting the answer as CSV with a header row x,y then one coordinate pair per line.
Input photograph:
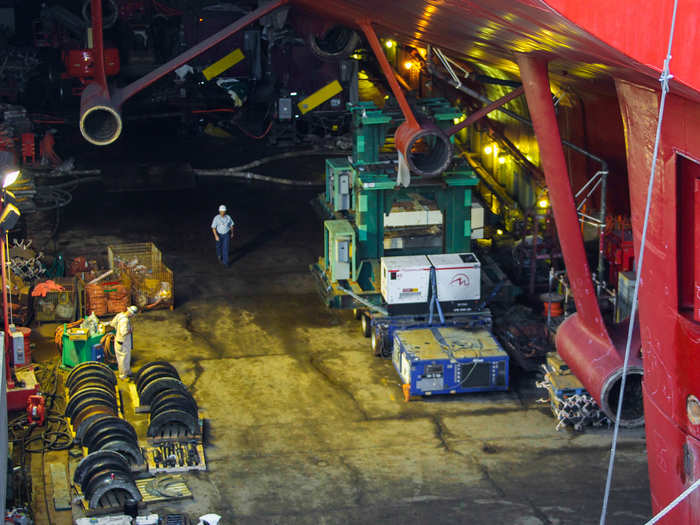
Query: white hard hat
x,y
222,207
132,309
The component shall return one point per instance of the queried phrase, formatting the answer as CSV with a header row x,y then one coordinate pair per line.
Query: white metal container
x,y
477,216
458,276
405,279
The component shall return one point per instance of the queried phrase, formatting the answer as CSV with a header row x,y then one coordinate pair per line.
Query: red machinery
x,y
618,248
36,409
80,64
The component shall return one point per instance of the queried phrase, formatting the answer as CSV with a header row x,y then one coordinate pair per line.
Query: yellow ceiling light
x,y
389,44
499,232
543,203
488,150
501,159
408,65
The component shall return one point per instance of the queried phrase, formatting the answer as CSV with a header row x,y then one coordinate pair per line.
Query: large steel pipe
x,y
100,119
100,108
427,149
599,367
583,340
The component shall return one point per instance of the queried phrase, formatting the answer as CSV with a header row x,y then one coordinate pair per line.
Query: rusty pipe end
x,y
598,365
426,148
632,406
100,119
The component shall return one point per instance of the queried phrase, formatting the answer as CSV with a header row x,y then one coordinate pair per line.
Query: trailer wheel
x,y
376,343
357,314
366,325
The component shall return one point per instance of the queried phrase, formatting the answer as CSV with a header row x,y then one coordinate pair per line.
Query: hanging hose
x,y
107,344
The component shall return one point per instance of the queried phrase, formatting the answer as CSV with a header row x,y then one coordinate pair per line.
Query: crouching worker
x,y
123,339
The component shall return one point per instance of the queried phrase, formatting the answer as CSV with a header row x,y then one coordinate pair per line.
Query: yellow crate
x,y
146,253
156,290
59,306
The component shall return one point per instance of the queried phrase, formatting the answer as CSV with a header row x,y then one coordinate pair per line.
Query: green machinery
x,y
359,196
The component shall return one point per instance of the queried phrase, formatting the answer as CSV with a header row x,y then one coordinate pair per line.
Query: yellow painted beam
x,y
221,65
319,97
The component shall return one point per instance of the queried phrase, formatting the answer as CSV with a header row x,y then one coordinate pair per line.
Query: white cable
x,y
665,77
668,508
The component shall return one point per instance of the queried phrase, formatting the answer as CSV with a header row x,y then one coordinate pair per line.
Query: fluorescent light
x,y
10,178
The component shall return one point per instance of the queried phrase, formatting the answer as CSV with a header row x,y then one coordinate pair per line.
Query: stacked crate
x,y
149,279
59,306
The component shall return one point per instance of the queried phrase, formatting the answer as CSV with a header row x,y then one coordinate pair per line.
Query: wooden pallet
x,y
149,453
112,503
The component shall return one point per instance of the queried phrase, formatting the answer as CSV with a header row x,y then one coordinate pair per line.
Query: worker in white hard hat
x,y
124,339
222,228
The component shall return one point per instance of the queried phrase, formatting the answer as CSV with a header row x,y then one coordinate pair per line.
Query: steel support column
x,y
535,77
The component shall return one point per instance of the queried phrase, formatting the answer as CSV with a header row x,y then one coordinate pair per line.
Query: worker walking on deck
x,y
222,227
124,339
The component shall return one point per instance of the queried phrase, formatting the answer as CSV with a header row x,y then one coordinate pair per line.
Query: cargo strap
x,y
434,298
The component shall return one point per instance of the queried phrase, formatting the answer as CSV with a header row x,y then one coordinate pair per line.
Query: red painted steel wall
x,y
670,337
640,30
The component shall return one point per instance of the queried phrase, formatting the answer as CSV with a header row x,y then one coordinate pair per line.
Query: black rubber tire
x,y
154,373
154,387
90,368
366,325
93,424
174,401
106,481
172,416
357,313
106,428
87,381
129,450
336,44
92,462
95,395
375,343
144,368
88,410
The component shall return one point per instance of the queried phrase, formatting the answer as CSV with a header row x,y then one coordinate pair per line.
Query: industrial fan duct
x,y
598,365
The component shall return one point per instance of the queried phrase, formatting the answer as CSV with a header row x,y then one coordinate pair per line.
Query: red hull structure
x,y
580,42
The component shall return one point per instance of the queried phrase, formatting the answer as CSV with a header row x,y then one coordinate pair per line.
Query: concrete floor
x,y
304,425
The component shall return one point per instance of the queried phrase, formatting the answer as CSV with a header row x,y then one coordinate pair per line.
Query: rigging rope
x,y
665,77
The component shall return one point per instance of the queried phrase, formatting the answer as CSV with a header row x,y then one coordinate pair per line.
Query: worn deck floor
x,y
304,425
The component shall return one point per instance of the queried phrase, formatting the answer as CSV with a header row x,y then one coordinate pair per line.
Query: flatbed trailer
x,y
380,326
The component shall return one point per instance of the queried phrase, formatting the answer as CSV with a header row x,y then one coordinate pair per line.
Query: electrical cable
x,y
250,135
665,77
